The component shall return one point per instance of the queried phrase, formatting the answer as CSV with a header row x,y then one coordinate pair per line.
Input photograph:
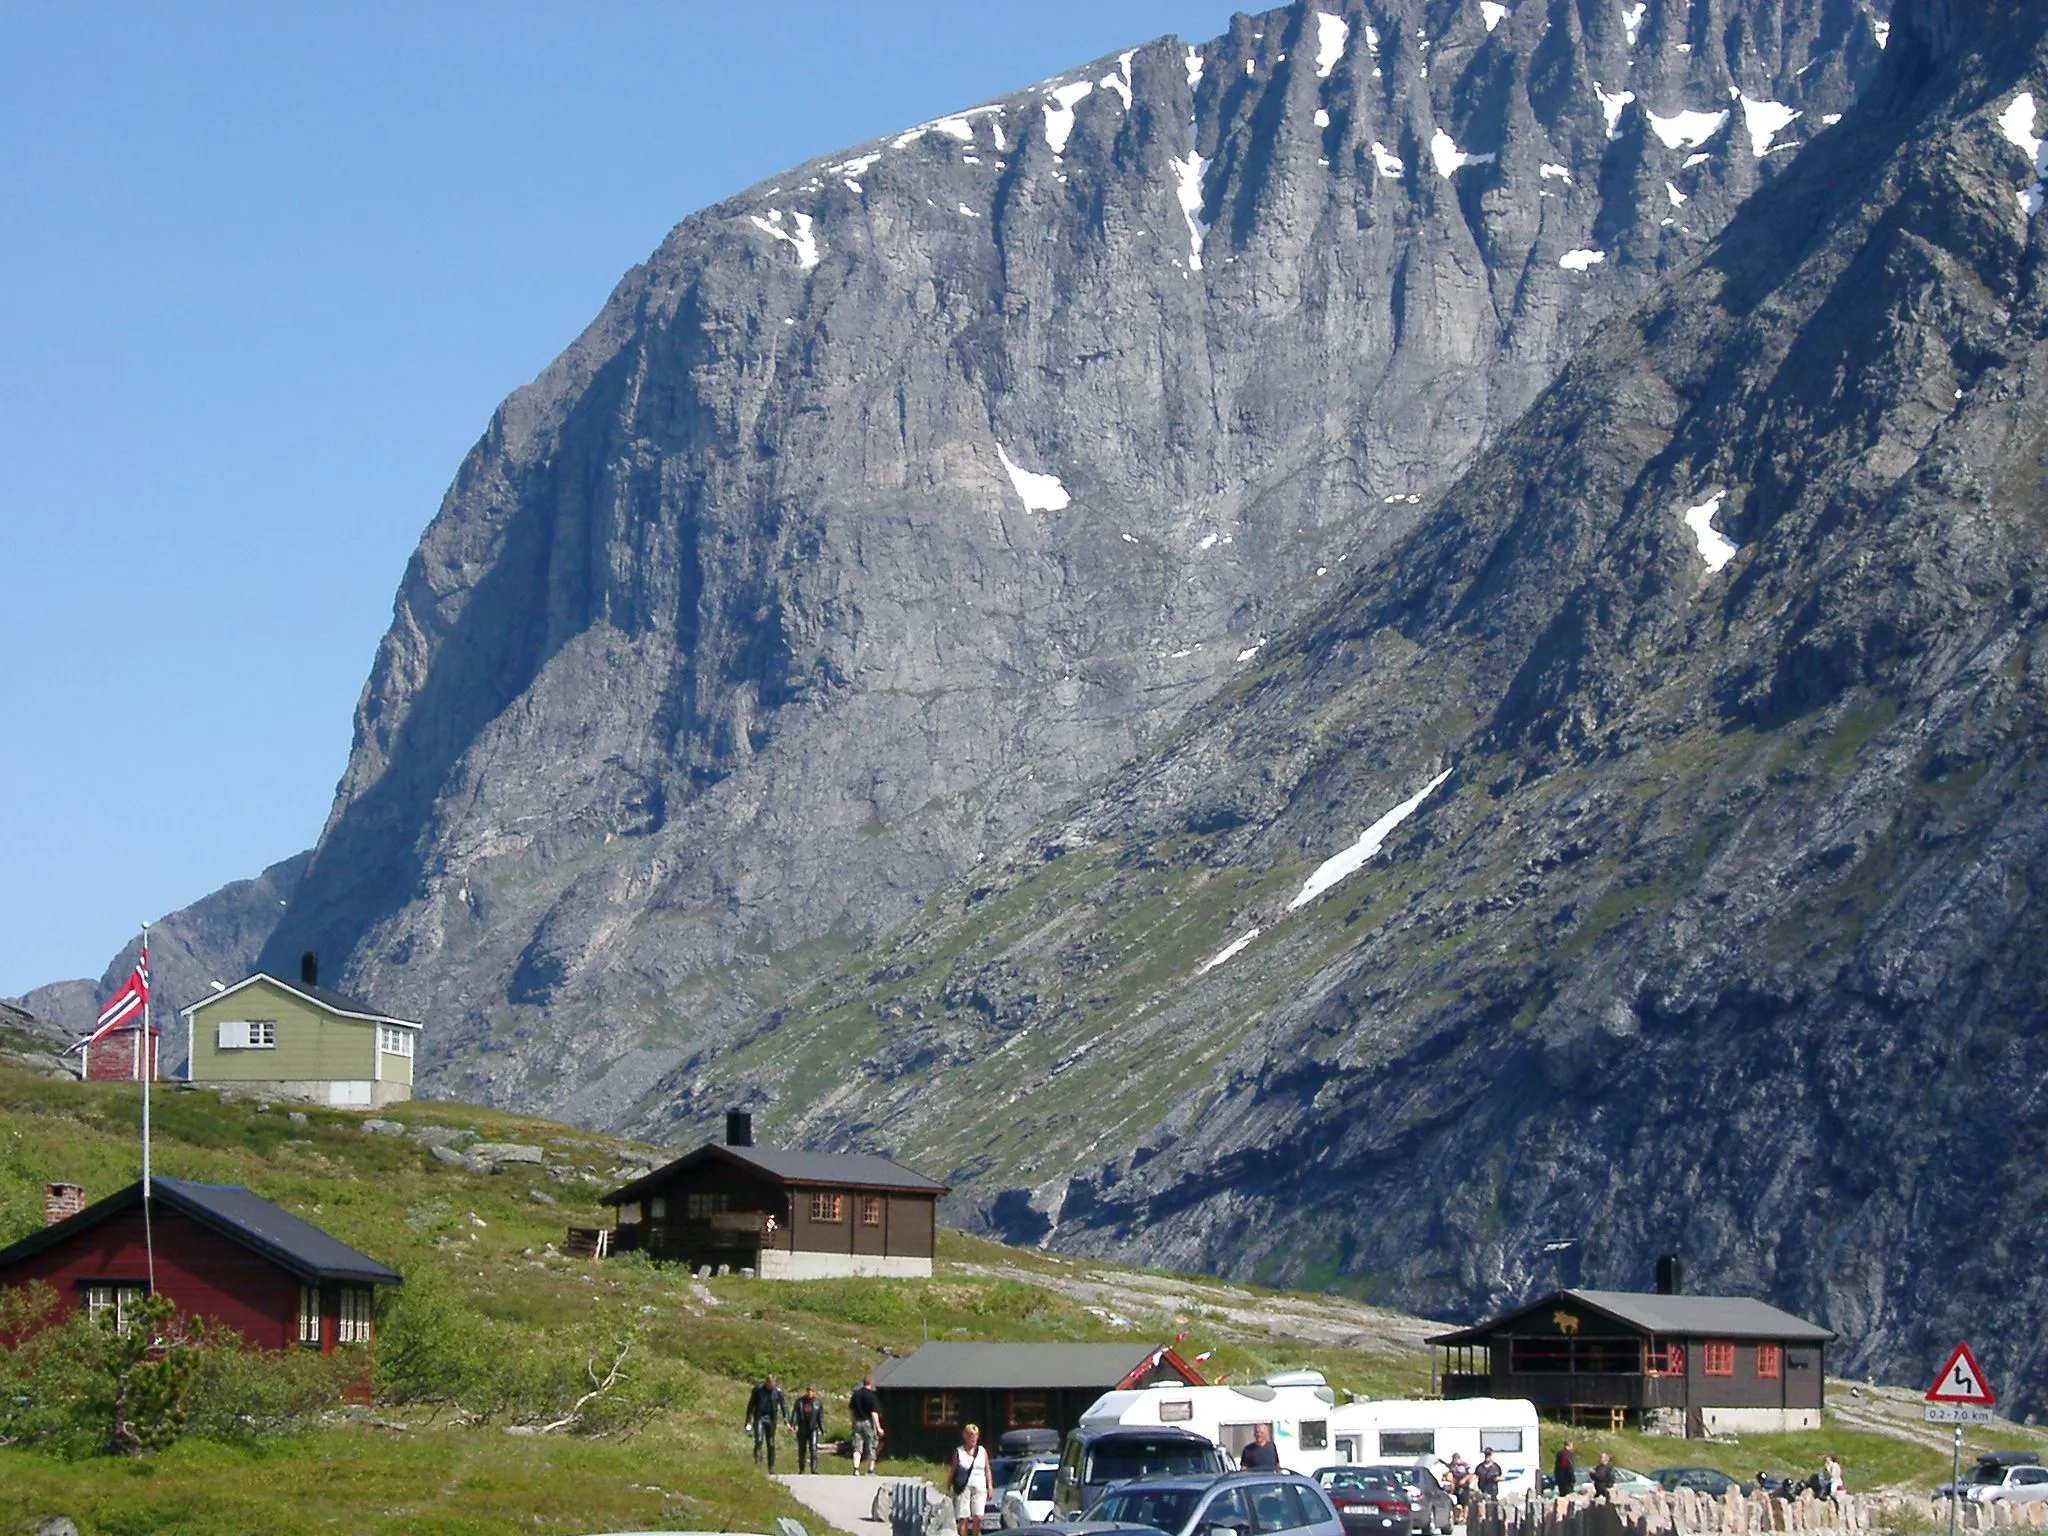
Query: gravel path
x,y
842,1499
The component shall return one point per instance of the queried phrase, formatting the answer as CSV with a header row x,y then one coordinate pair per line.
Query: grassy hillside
x,y
478,1247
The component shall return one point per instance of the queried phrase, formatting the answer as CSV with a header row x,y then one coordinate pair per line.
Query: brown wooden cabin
x,y
929,1394
784,1215
222,1253
1693,1365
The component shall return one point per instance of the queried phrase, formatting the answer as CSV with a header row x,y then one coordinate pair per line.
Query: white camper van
x,y
1432,1430
1297,1404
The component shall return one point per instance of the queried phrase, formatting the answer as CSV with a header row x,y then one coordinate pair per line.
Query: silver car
x,y
1235,1504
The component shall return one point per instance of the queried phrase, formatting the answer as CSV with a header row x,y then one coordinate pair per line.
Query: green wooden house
x,y
300,1040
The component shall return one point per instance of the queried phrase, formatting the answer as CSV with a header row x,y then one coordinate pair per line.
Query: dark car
x,y
1430,1505
1708,1480
1260,1503
1095,1458
1371,1501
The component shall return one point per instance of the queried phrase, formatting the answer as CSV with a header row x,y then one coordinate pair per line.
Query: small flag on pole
x,y
1204,1355
130,1000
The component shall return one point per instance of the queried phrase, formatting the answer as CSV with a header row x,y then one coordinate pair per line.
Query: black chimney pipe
x,y
309,968
1670,1275
739,1128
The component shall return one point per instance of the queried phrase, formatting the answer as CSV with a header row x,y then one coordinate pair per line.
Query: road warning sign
x,y
1962,1381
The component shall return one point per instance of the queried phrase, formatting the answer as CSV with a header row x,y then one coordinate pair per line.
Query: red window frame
x,y
1769,1361
1674,1359
1718,1357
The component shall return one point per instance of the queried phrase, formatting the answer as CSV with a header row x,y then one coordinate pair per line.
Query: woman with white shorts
x,y
971,1481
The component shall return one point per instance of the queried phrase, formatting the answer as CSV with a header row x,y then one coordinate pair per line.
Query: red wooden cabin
x,y
221,1253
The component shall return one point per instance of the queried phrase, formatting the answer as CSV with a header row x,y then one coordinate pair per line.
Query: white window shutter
x,y
234,1035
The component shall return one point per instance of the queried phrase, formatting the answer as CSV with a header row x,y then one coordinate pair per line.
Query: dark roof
x,y
1721,1317
289,1241
843,1170
326,997
945,1367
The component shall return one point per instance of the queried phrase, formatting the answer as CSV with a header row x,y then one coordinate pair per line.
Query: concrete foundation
x,y
339,1094
779,1264
1758,1421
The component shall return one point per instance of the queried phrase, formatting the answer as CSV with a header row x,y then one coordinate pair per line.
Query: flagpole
x,y
148,1072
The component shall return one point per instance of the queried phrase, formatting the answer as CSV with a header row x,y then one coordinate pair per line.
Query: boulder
x,y
507,1152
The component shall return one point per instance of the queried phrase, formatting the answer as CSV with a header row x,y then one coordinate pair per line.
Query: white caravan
x,y
1432,1430
1296,1404
1311,1430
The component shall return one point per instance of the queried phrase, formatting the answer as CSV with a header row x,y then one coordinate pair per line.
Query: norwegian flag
x,y
128,1002
1204,1355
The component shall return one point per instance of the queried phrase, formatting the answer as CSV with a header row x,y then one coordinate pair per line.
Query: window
x,y
355,1314
1718,1357
702,1207
112,1302
1508,1442
1674,1359
871,1210
1177,1410
629,1213
1399,1444
1315,1434
1544,1355
826,1207
1027,1410
246,1035
1277,1507
309,1315
1767,1361
657,1209
941,1409
394,1041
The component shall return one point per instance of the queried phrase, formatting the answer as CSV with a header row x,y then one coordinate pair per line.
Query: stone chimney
x,y
62,1201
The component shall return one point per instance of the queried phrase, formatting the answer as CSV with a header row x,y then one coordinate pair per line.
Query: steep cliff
x,y
1645,848
892,503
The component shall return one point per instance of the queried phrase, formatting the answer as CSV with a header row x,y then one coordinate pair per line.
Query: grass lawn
x,y
458,1482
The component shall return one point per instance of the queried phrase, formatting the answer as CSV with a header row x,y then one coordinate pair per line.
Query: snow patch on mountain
x,y
1039,493
1359,854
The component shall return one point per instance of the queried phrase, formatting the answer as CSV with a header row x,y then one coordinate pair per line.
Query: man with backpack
x,y
808,1419
766,1409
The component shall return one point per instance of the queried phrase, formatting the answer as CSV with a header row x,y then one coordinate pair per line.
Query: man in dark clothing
x,y
866,1407
1262,1455
1487,1475
1602,1479
1565,1474
766,1408
808,1419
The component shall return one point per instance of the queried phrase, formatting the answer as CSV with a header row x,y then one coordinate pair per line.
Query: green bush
x,y
434,1349
82,1386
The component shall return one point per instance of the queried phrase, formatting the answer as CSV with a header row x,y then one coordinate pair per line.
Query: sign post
x,y
1960,1395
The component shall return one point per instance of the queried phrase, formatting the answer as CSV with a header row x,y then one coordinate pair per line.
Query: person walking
x,y
866,1407
1262,1455
1563,1473
766,1408
807,1418
1602,1479
972,1481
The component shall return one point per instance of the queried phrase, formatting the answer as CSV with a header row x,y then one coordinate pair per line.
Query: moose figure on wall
x,y
1567,1323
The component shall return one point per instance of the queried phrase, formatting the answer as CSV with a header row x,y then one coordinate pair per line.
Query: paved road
x,y
842,1499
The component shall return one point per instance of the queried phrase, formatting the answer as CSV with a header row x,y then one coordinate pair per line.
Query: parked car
x,y
2009,1478
1374,1501
1430,1505
1095,1458
1632,1483
1708,1480
1247,1503
1028,1498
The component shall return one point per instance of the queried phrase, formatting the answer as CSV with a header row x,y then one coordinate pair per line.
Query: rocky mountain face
x,y
215,939
891,504
1643,847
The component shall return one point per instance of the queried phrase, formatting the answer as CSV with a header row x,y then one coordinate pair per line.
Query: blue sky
x,y
265,270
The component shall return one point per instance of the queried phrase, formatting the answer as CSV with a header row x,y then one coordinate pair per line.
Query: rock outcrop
x,y
1643,849
890,504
